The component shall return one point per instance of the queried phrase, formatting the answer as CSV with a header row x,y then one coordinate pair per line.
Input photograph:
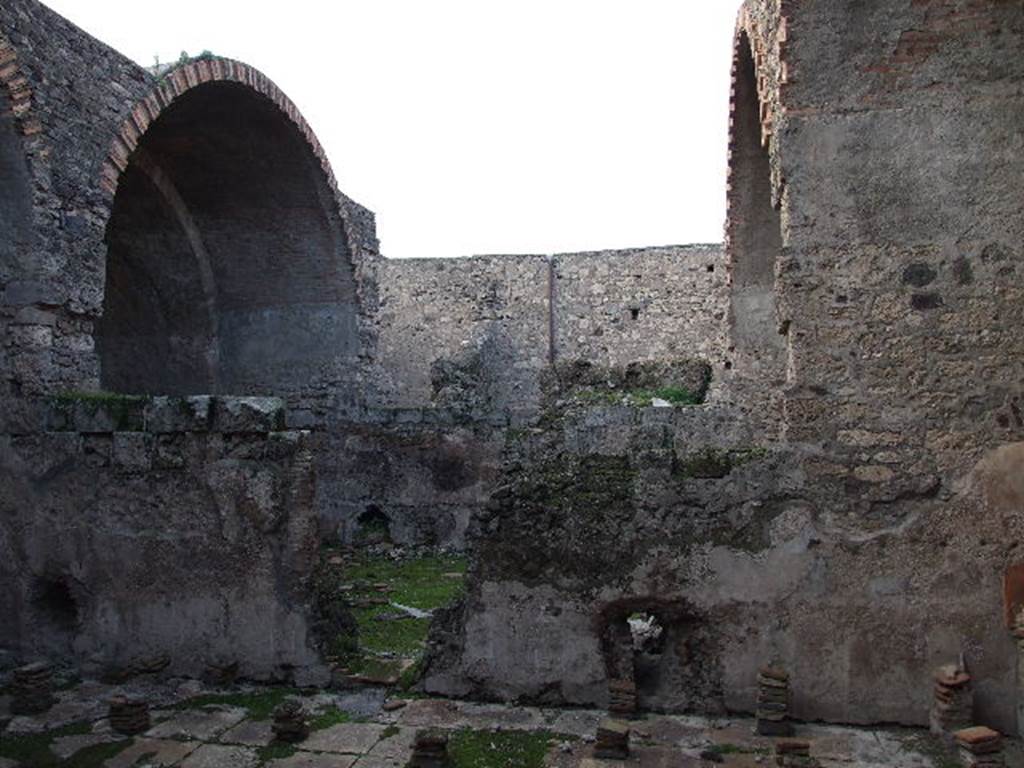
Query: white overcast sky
x,y
485,126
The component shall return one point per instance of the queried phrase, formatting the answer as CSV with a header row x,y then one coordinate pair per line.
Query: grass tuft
x,y
260,705
493,749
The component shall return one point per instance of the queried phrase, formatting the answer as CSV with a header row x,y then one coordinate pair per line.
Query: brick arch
x,y
754,196
22,168
749,32
179,81
18,90
229,258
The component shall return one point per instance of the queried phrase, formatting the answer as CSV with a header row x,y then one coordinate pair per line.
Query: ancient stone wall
x,y
844,502
134,529
897,285
82,111
163,527
881,313
487,314
511,317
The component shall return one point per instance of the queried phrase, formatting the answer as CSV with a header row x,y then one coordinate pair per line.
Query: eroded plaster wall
x,y
137,529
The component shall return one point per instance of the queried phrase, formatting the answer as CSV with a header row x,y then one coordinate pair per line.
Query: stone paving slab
x,y
577,722
487,716
201,724
650,757
397,746
371,761
345,738
251,733
314,760
436,713
221,756
160,753
66,746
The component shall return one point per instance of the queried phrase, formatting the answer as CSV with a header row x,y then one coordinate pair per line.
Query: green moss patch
x,y
329,717
34,749
712,464
126,412
260,704
678,382
276,750
494,749
384,639
735,749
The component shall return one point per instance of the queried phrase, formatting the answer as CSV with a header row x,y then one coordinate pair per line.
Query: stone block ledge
x,y
103,413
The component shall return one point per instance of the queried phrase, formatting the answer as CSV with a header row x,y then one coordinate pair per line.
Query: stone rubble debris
x,y
773,702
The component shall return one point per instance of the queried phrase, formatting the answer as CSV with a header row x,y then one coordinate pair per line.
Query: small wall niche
x,y
374,526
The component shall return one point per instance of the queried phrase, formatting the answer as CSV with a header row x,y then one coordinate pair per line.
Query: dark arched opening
x,y
755,227
57,613
15,198
652,650
227,267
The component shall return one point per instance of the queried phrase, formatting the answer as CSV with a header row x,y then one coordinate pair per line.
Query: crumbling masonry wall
x,y
844,502
125,540
182,529
518,315
871,545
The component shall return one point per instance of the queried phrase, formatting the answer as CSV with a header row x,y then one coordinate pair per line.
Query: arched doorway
x,y
228,269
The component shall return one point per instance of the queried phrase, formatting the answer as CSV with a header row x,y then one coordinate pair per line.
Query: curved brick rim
x,y
18,89
13,80
180,81
746,28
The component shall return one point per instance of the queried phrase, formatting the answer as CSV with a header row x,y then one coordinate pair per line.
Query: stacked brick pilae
x,y
773,702
33,689
129,715
290,724
622,698
980,747
953,707
612,740
794,753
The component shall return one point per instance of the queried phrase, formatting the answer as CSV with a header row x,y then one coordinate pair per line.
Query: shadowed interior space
x,y
756,232
228,268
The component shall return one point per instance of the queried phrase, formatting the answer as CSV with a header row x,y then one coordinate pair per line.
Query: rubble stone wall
x,y
137,528
517,315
